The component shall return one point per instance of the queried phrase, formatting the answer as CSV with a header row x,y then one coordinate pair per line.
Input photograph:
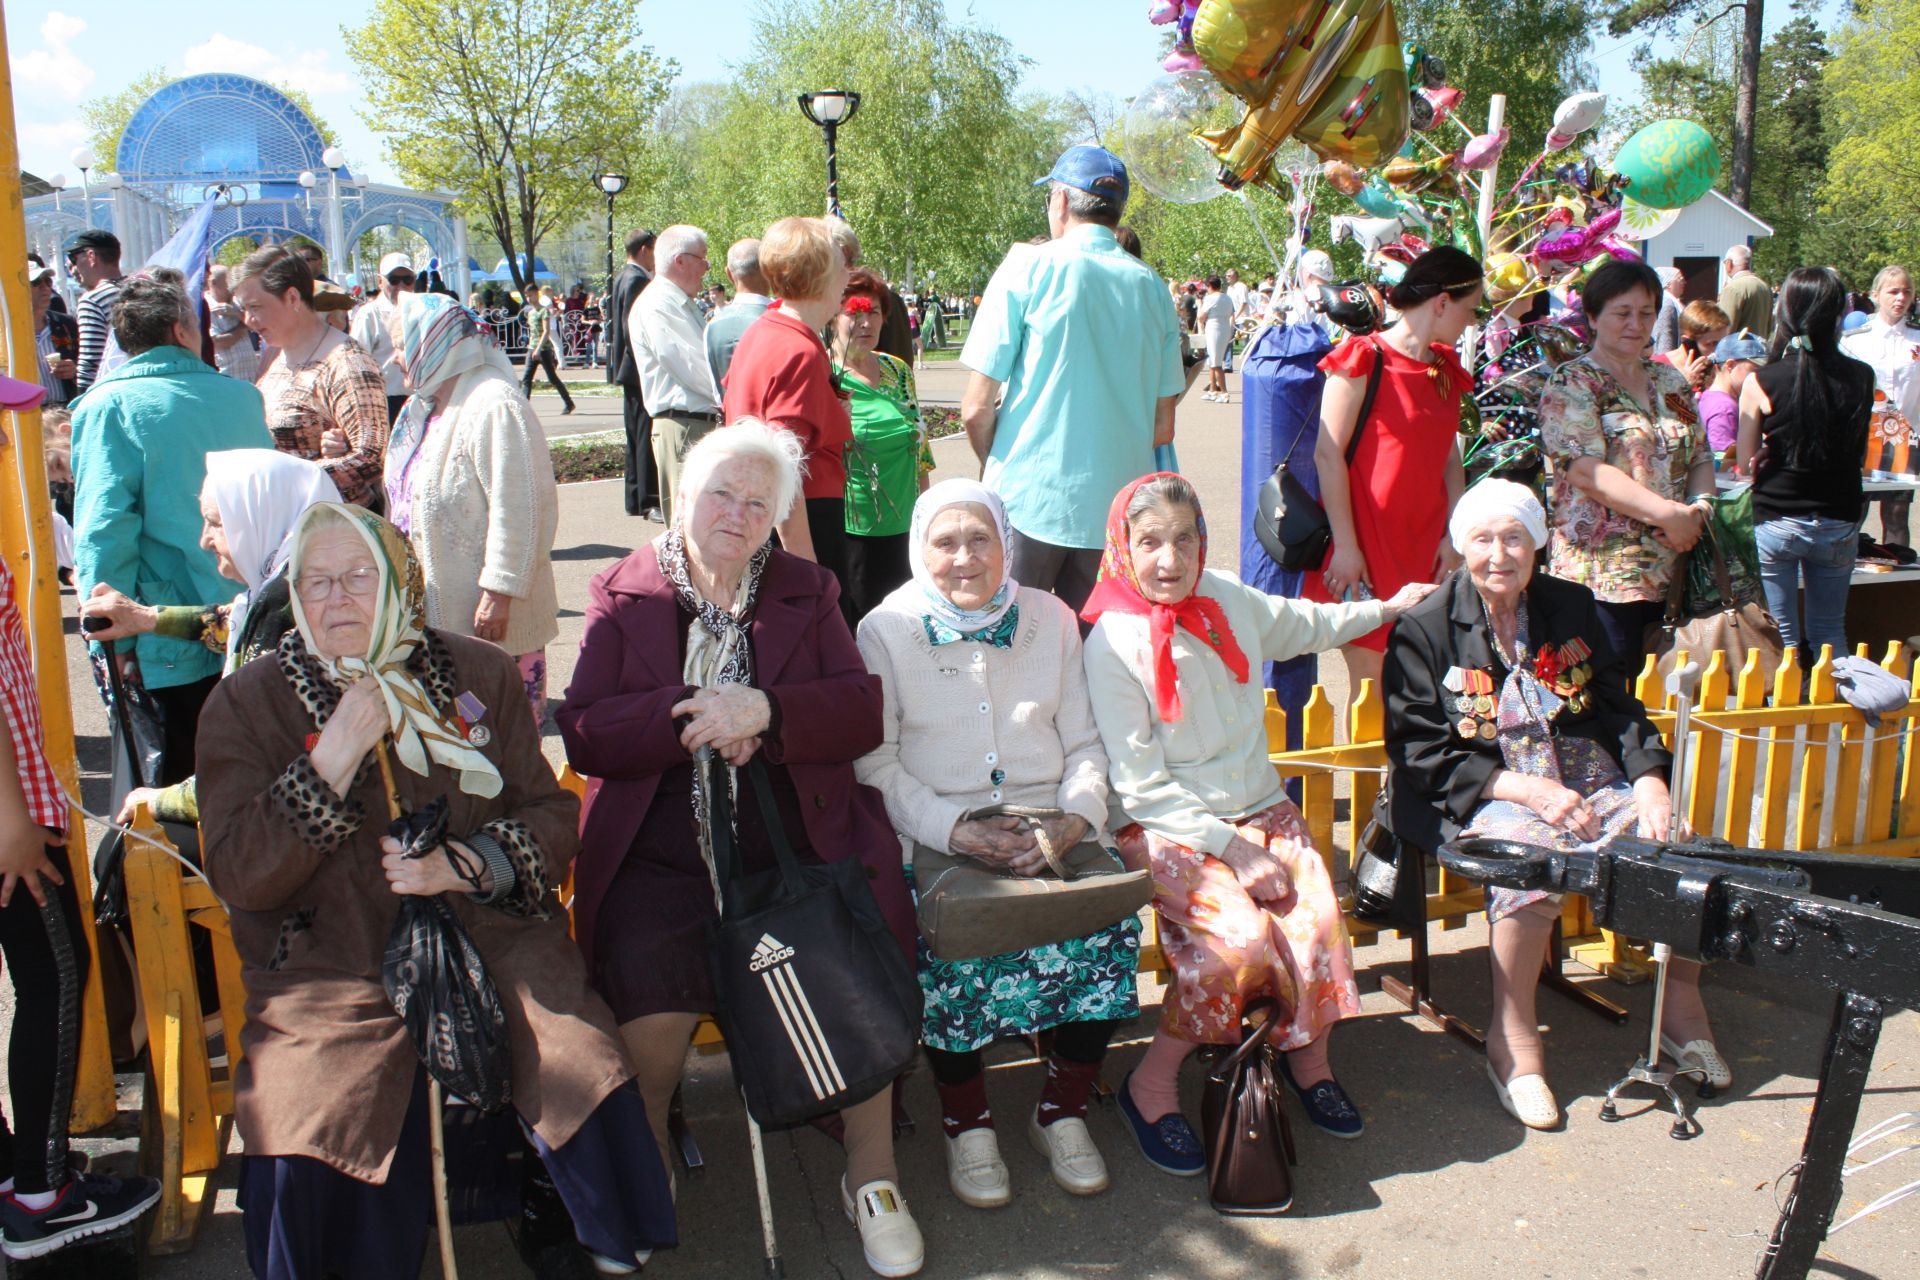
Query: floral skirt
x,y
971,1003
533,676
1227,949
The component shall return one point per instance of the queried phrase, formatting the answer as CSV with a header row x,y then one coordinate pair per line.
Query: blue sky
x,y
64,52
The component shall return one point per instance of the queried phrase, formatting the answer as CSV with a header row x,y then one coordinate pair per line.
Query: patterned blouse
x,y
1585,413
344,389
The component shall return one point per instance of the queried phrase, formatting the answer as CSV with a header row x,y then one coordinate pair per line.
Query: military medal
x,y
1468,727
1483,705
1487,731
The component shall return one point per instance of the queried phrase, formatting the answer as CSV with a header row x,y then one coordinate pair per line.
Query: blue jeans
x,y
1820,551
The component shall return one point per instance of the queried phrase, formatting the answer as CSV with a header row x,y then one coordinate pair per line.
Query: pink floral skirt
x,y
1226,949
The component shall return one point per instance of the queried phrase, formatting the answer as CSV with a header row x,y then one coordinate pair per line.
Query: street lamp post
x,y
612,184
830,108
335,160
83,160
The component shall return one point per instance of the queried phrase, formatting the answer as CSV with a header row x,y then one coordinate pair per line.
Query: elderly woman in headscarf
x,y
470,482
331,1099
1246,904
986,704
249,504
709,641
1508,716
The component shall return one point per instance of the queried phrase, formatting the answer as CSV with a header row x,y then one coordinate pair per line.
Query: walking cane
x,y
436,1123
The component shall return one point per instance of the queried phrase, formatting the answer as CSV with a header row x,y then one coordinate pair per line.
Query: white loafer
x,y
975,1170
888,1234
1527,1099
1699,1055
1070,1152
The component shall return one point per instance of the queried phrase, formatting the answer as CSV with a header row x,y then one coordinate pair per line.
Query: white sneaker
x,y
1069,1149
1699,1055
1527,1099
888,1234
975,1170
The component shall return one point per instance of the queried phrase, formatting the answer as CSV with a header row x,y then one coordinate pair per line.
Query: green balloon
x,y
1669,164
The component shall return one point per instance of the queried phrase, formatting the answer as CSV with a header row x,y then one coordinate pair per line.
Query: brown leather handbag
x,y
1249,1146
968,909
1736,626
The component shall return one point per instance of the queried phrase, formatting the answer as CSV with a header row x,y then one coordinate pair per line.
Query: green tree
x,y
1873,165
935,169
1664,16
1534,51
107,116
512,105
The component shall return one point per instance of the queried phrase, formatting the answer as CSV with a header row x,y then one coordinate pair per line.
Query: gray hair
x,y
845,239
743,264
1671,276
1165,491
677,240
147,311
747,438
1740,256
1085,206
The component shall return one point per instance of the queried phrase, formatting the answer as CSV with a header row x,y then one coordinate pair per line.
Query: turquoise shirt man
x,y
1082,337
141,435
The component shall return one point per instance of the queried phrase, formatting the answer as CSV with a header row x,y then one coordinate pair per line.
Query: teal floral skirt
x,y
972,1003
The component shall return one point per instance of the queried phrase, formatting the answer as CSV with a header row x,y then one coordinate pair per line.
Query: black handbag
x,y
1249,1146
818,1004
1291,523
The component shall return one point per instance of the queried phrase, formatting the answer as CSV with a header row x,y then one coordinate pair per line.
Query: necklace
x,y
325,329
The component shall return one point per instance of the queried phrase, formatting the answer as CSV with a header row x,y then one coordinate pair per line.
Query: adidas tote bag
x,y
818,1004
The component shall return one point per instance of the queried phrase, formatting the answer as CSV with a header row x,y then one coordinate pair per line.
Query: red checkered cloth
x,y
20,700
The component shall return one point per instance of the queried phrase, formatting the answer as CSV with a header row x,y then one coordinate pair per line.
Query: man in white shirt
x,y
668,336
372,327
1238,292
1892,346
234,352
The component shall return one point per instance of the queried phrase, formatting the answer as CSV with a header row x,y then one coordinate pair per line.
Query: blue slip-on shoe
x,y
1169,1143
1326,1104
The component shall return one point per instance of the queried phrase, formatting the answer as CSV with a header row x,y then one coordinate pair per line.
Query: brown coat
x,y
329,1068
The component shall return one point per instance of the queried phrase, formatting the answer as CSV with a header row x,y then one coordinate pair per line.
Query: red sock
x,y
1067,1088
964,1106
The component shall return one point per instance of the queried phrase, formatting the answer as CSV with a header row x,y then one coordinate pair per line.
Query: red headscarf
x,y
1118,591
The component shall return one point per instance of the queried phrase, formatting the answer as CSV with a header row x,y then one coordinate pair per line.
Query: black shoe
x,y
90,1205
569,409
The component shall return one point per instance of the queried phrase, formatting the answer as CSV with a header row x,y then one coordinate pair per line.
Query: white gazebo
x,y
1699,238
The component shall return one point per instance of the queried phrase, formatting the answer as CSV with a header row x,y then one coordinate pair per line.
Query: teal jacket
x,y
141,435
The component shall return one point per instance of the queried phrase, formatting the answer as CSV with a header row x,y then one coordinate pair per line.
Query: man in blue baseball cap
x,y
1081,338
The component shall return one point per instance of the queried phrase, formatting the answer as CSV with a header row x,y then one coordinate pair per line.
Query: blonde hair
x,y
797,257
1885,276
1701,317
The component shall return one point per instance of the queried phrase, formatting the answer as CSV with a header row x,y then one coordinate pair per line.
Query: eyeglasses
x,y
317,588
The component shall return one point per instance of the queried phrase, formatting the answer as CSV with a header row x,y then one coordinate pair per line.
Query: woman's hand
x,y
430,874
135,798
1346,567
1005,842
1066,831
1653,805
1682,526
726,718
1258,871
23,857
490,618
1697,367
334,443
1407,597
1562,807
357,724
126,616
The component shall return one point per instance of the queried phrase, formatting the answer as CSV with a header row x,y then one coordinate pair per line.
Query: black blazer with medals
x,y
1435,775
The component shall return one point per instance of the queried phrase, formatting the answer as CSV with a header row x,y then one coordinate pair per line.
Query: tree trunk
x,y
1746,94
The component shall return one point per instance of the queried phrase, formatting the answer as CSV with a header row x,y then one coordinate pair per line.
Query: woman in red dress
x,y
1389,508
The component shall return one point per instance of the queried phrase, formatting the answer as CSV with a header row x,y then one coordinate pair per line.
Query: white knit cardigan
x,y
956,712
485,511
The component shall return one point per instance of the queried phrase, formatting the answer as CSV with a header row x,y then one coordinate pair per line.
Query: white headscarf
x,y
260,495
954,493
1490,500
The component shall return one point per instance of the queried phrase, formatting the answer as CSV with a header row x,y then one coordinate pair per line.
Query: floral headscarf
x,y
954,493
421,731
439,341
1118,591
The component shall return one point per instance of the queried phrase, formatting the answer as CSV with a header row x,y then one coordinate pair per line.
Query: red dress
x,y
1398,478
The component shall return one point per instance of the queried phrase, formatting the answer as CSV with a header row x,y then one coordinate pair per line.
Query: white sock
x,y
37,1200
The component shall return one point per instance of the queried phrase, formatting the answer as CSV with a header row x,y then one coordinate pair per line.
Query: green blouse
x,y
889,452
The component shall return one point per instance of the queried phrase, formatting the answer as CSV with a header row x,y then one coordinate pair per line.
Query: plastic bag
x,y
439,986
1731,529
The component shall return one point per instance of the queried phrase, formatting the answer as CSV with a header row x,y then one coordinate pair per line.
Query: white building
x,y
1699,238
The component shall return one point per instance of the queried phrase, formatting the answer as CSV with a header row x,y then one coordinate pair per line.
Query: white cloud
x,y
52,137
307,71
55,68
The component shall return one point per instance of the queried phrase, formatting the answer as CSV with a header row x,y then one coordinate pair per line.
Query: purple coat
x,y
618,726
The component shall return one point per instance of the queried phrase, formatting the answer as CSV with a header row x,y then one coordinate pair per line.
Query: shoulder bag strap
x,y
776,830
1677,588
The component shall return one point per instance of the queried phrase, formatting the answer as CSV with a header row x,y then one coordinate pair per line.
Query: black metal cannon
x,y
1848,923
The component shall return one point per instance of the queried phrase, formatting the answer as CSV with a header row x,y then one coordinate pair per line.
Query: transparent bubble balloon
x,y
1157,137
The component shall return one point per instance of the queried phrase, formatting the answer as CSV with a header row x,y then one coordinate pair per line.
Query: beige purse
x,y
968,909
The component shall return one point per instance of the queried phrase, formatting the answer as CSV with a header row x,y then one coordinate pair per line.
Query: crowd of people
x,y
994,671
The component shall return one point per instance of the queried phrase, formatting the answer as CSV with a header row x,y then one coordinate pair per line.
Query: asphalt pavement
x,y
1442,1184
